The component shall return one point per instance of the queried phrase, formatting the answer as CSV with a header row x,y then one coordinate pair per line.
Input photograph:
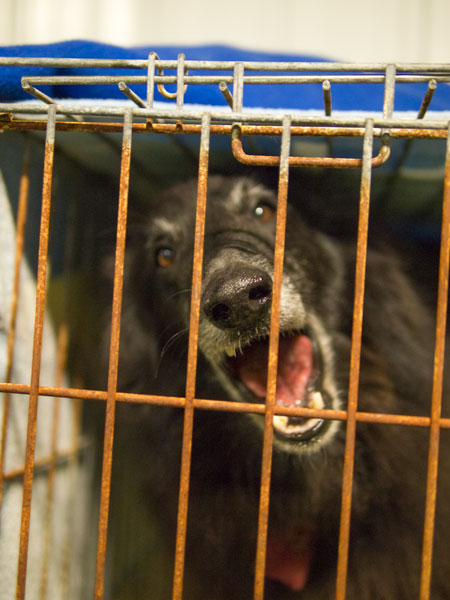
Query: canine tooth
x,y
316,401
230,351
280,422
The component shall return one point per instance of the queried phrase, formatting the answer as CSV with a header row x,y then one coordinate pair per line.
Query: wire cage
x,y
50,479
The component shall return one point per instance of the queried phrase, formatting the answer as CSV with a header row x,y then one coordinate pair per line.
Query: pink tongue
x,y
287,563
295,363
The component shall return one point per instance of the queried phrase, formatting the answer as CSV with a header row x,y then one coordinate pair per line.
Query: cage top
x,y
271,81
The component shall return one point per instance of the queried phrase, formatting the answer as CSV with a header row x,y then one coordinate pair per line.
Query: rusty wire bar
x,y
62,343
349,455
43,464
185,470
436,403
113,357
73,461
246,130
303,161
245,118
266,468
41,286
22,210
219,405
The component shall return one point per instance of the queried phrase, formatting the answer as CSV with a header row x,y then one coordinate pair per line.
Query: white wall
x,y
354,30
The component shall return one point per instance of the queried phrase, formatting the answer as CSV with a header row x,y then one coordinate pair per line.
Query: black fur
x,y
396,374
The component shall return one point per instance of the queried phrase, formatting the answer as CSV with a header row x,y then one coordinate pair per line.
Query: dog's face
x,y
236,299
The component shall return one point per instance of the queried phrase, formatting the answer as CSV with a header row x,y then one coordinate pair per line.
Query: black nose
x,y
237,297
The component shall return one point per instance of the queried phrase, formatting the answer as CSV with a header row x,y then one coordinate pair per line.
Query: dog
x,y
388,496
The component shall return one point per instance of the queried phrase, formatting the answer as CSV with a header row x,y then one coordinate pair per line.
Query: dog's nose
x,y
238,298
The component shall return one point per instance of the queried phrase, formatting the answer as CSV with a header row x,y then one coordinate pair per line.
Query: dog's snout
x,y
237,298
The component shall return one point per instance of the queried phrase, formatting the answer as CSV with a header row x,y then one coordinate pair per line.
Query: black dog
x,y
316,319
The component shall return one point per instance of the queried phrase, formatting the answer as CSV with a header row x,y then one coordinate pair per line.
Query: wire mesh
x,y
53,117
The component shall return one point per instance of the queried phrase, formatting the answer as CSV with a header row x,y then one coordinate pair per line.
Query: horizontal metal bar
x,y
224,405
216,79
243,117
220,65
62,457
247,130
302,161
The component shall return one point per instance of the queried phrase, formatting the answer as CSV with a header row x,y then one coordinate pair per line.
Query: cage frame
x,y
141,116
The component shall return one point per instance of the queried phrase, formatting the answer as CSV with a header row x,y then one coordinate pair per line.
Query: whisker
x,y
173,338
179,292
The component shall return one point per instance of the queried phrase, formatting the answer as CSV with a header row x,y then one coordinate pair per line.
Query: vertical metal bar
x,y
74,458
46,545
180,81
266,468
326,90
238,87
349,456
180,549
41,285
436,403
388,102
20,237
389,91
151,78
327,103
114,355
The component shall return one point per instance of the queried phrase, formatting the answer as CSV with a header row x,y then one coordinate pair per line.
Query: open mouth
x,y
298,384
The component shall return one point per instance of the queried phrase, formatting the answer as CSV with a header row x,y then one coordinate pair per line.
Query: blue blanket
x,y
357,97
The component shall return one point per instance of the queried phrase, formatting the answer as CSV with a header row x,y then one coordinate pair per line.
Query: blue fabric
x,y
358,97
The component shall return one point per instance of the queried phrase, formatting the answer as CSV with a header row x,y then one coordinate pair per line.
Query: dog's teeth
x,y
230,351
316,401
280,422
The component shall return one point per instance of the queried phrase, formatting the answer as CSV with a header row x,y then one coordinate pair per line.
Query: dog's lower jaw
x,y
292,434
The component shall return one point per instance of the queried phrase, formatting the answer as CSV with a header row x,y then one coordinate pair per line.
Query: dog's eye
x,y
264,212
165,256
